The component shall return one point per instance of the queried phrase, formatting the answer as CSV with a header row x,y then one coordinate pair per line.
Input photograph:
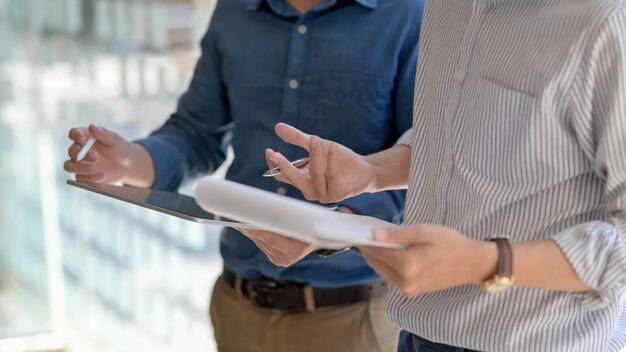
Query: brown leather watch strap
x,y
505,257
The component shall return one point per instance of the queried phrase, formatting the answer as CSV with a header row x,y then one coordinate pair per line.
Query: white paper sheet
x,y
293,218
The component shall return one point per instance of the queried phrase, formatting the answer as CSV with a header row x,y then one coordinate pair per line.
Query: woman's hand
x,y
333,173
437,257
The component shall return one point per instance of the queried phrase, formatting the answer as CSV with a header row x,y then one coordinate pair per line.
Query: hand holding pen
x,y
333,173
90,142
275,171
98,155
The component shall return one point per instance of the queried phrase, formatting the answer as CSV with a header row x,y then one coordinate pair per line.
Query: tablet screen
x,y
170,203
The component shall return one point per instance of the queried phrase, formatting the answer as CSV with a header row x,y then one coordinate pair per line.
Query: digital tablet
x,y
170,203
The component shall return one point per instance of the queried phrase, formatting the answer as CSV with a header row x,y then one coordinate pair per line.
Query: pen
x,y
90,142
276,171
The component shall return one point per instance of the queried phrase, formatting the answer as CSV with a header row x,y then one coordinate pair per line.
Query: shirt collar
x,y
254,5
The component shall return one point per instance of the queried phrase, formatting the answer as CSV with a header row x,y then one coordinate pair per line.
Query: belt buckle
x,y
274,296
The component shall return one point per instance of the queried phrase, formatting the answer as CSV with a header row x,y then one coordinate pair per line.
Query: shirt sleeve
x,y
389,205
597,250
406,138
194,139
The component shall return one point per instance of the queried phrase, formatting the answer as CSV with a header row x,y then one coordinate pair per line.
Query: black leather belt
x,y
291,297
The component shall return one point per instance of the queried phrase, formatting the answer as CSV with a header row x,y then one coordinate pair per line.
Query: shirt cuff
x,y
168,162
406,138
596,254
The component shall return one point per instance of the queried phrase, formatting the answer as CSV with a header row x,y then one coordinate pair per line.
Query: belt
x,y
412,342
290,297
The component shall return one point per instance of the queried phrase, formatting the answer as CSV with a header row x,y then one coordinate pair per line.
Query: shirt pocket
x,y
357,103
498,133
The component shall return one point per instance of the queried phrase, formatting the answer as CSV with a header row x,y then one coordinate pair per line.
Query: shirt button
x,y
460,75
293,84
281,190
483,4
302,29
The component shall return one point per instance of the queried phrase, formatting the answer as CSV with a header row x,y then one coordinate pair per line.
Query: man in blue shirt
x,y
341,69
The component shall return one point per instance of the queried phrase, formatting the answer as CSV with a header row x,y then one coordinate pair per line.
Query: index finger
x,y
292,135
79,135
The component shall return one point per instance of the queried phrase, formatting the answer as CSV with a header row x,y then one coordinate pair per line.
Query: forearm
x,y
538,264
140,168
391,167
541,264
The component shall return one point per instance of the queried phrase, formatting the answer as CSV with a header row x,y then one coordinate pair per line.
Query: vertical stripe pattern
x,y
520,131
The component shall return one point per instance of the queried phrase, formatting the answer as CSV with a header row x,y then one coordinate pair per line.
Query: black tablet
x,y
170,203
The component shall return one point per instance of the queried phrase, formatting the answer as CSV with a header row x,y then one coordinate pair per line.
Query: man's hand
x,y
436,258
282,251
111,159
333,173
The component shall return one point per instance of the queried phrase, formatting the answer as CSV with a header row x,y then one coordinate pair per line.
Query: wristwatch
x,y
503,279
325,253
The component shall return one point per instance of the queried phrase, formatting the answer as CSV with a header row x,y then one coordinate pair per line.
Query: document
x,y
291,217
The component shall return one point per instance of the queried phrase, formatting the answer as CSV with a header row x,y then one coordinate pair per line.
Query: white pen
x,y
88,145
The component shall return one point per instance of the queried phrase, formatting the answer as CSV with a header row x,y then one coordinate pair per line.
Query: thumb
x,y
406,235
105,137
269,157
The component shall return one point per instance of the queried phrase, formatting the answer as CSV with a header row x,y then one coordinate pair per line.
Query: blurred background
x,y
80,272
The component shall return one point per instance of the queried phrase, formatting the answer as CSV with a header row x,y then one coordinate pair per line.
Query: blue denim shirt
x,y
344,71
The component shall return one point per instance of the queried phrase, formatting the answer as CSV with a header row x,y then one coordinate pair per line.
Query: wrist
x,y
374,181
139,169
483,262
389,169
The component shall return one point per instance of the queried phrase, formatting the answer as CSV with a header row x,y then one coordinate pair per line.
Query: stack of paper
x,y
291,217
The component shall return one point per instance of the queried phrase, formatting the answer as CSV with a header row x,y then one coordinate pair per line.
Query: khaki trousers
x,y
241,327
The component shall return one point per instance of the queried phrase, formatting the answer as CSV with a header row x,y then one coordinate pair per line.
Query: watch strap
x,y
325,253
505,257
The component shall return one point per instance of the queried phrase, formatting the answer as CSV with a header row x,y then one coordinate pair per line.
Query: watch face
x,y
498,284
497,287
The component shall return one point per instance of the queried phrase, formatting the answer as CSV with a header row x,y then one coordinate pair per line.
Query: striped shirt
x,y
520,131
